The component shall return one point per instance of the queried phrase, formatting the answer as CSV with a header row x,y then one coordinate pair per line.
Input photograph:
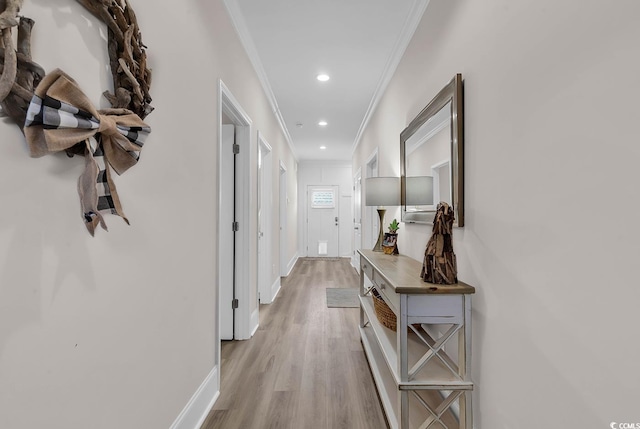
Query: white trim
x,y
409,27
237,19
327,162
197,409
292,263
273,292
232,105
262,140
275,288
255,320
374,155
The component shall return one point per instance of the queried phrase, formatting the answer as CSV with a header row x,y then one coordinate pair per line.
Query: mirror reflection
x,y
428,163
431,156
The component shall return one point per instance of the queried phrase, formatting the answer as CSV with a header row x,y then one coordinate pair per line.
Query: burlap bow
x,y
60,116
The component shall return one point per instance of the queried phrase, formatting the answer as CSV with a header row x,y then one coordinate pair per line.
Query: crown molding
x,y
240,25
409,28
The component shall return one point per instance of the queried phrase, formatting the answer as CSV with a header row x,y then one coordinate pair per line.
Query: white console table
x,y
421,386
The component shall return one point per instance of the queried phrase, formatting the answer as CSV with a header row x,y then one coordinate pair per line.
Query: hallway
x,y
304,367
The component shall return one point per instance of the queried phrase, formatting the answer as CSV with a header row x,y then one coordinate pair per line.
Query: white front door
x,y
323,220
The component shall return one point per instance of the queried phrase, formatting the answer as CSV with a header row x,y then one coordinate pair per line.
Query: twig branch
x,y
9,17
19,74
10,69
127,56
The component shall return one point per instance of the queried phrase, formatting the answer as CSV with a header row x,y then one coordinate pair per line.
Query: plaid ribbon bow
x,y
60,116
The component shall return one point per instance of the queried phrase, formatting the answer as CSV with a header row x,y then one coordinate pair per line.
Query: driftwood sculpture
x,y
439,265
110,138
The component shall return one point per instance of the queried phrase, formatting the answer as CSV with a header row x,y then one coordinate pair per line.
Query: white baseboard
x,y
273,292
255,321
197,409
354,263
292,263
275,288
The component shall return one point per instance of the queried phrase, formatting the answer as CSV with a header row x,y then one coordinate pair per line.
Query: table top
x,y
402,273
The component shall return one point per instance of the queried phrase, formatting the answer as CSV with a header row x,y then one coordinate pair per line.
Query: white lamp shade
x,y
419,191
382,191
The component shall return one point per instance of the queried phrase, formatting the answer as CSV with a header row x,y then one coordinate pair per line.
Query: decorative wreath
x,y
55,115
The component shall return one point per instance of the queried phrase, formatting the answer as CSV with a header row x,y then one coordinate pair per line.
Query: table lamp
x,y
381,192
419,191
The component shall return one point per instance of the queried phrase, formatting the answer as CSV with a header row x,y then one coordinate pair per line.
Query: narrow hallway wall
x,y
550,240
120,330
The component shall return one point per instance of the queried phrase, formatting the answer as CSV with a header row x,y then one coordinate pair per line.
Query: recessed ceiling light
x,y
323,77
322,123
323,147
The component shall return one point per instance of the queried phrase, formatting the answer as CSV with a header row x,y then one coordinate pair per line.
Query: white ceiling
x,y
358,43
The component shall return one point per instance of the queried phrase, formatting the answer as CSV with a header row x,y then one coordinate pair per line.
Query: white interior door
x,y
265,191
372,218
323,220
284,262
227,235
357,219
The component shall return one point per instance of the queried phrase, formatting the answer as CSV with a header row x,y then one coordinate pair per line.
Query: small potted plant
x,y
390,243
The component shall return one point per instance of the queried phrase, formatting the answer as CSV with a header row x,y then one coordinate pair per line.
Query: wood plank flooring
x,y
304,367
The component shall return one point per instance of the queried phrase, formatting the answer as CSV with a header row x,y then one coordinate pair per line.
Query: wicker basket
x,y
385,315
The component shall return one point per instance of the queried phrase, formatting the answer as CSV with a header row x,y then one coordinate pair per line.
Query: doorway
x,y
441,173
233,246
323,221
372,219
357,219
284,263
266,269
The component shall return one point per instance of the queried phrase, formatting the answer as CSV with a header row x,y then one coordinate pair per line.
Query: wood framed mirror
x,y
432,158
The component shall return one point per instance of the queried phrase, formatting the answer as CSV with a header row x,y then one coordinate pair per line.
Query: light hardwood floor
x,y
304,367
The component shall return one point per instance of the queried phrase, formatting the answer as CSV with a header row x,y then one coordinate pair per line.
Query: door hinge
x,y
235,227
234,304
236,149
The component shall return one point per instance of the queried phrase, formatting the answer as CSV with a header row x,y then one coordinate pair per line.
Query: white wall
x,y
327,173
118,331
551,244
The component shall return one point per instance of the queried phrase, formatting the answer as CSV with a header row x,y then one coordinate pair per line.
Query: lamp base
x,y
378,246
